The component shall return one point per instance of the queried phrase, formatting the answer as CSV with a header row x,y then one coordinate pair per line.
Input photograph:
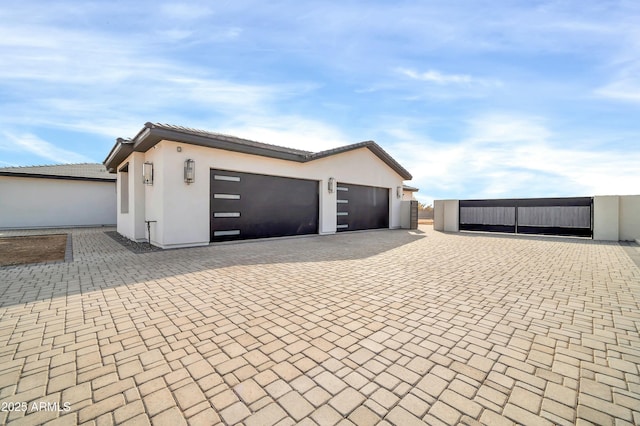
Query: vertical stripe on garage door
x,y
247,205
362,207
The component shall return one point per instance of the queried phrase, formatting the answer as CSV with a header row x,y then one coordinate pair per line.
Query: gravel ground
x,y
133,246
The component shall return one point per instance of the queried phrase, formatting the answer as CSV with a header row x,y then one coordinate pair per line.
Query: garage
x,y
248,206
361,207
200,187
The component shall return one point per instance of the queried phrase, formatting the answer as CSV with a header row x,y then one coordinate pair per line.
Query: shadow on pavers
x,y
633,251
27,284
534,237
631,248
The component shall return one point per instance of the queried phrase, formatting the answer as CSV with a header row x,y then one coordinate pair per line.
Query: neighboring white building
x,y
193,187
57,196
408,192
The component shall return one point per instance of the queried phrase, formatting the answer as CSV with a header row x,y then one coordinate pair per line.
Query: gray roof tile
x,y
152,133
229,138
92,171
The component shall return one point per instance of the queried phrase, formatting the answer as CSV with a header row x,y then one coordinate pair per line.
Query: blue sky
x,y
475,98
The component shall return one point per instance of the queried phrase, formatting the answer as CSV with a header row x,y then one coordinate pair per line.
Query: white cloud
x,y
450,26
176,34
289,131
508,128
621,90
184,11
625,85
227,104
108,84
436,84
64,67
513,156
88,82
437,77
43,149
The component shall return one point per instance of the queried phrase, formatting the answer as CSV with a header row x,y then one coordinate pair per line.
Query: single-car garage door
x,y
247,205
362,207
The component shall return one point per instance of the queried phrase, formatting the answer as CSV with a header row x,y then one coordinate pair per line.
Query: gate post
x,y
606,217
446,215
413,219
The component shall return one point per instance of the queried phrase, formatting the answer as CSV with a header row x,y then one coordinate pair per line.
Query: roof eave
x,y
375,149
151,134
121,150
50,176
156,135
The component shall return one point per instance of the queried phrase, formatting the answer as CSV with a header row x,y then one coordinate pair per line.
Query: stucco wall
x,y
40,202
616,217
445,215
438,215
629,229
124,226
408,195
606,213
405,214
182,210
131,223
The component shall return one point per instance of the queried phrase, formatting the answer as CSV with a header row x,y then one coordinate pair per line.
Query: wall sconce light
x,y
189,171
399,192
147,173
331,186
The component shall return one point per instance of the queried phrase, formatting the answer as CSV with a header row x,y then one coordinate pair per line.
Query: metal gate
x,y
546,216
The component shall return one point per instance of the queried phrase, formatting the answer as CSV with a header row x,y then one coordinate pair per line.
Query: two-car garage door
x,y
247,205
362,207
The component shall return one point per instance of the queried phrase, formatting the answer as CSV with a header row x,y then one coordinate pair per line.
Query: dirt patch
x,y
32,249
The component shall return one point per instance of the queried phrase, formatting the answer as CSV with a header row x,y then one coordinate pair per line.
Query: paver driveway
x,y
396,327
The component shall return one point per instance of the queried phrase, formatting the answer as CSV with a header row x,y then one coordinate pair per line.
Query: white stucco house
x,y
192,187
64,195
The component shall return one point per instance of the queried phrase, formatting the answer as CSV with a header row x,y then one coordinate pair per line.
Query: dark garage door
x,y
247,205
362,207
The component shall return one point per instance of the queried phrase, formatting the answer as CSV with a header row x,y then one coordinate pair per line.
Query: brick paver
x,y
391,327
